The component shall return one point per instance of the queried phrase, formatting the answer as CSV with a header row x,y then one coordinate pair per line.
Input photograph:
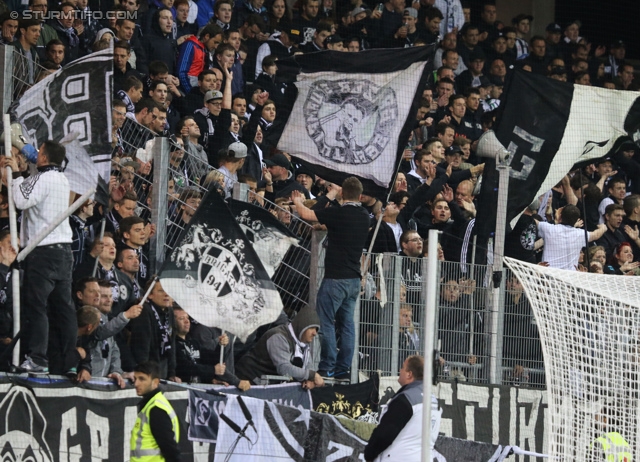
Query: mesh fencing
x,y
391,317
188,176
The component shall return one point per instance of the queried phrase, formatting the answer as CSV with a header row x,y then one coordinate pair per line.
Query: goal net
x,y
590,330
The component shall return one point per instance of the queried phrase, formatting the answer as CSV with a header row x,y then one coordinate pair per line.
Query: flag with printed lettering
x,y
548,127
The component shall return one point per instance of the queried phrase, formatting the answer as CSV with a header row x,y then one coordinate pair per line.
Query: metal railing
x,y
391,319
166,193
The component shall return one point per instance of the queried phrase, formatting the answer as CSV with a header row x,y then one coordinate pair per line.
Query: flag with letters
x,y
353,112
216,276
549,126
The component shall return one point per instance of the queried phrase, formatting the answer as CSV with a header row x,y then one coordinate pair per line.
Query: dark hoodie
x,y
278,353
160,46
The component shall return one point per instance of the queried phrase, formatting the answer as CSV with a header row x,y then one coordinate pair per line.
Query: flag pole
x,y
222,351
53,225
13,232
95,265
148,292
378,223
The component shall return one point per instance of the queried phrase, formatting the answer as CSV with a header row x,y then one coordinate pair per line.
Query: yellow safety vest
x,y
144,447
614,446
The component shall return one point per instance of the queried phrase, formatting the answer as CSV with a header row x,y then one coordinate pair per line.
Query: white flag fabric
x,y
353,114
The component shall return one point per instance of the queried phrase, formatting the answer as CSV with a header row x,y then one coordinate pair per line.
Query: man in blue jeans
x,y
47,269
347,229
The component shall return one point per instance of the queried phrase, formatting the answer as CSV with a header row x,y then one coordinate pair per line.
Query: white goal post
x,y
590,332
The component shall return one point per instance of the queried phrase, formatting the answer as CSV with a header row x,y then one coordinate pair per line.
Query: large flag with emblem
x,y
216,276
74,102
549,126
354,112
269,237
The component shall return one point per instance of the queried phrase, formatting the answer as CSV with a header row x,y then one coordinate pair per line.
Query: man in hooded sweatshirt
x,y
289,349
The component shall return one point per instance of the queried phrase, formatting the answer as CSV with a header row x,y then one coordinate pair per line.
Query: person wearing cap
x,y
558,73
552,39
231,161
306,178
334,42
498,50
471,77
279,179
207,117
522,23
267,80
617,53
407,33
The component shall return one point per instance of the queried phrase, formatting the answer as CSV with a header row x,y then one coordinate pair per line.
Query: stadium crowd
x,y
205,74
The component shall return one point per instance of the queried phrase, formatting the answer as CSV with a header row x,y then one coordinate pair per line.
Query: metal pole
x,y
56,222
159,202
316,270
13,231
429,342
497,308
95,265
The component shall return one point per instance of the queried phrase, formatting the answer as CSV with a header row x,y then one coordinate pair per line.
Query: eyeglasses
x,y
415,239
217,103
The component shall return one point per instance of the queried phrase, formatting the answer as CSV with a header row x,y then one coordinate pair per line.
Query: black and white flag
x,y
74,101
354,111
216,276
270,239
549,126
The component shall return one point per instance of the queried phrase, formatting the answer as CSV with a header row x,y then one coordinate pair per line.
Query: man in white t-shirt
x,y
563,242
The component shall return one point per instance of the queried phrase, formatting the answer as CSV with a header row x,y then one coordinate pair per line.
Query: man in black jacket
x,y
159,42
153,333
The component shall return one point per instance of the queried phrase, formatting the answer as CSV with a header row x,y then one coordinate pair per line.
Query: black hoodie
x,y
160,46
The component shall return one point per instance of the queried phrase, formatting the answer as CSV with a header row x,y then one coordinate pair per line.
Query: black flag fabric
x,y
269,237
73,103
354,112
549,126
216,276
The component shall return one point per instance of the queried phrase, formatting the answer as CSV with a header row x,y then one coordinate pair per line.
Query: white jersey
x,y
42,197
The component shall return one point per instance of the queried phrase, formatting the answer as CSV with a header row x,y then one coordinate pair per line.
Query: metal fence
x,y
169,181
391,319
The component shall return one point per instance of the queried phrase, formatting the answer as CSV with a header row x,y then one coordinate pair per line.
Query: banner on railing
x,y
61,421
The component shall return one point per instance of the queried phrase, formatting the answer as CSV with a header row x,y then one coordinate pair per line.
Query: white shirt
x,y
562,245
42,197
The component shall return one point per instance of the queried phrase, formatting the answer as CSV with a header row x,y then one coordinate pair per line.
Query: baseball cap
x,y
554,27
618,44
453,150
477,55
303,170
558,70
359,9
212,94
293,33
279,160
335,38
411,12
237,150
129,162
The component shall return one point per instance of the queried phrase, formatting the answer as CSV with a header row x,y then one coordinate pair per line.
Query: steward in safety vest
x,y
612,447
156,433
